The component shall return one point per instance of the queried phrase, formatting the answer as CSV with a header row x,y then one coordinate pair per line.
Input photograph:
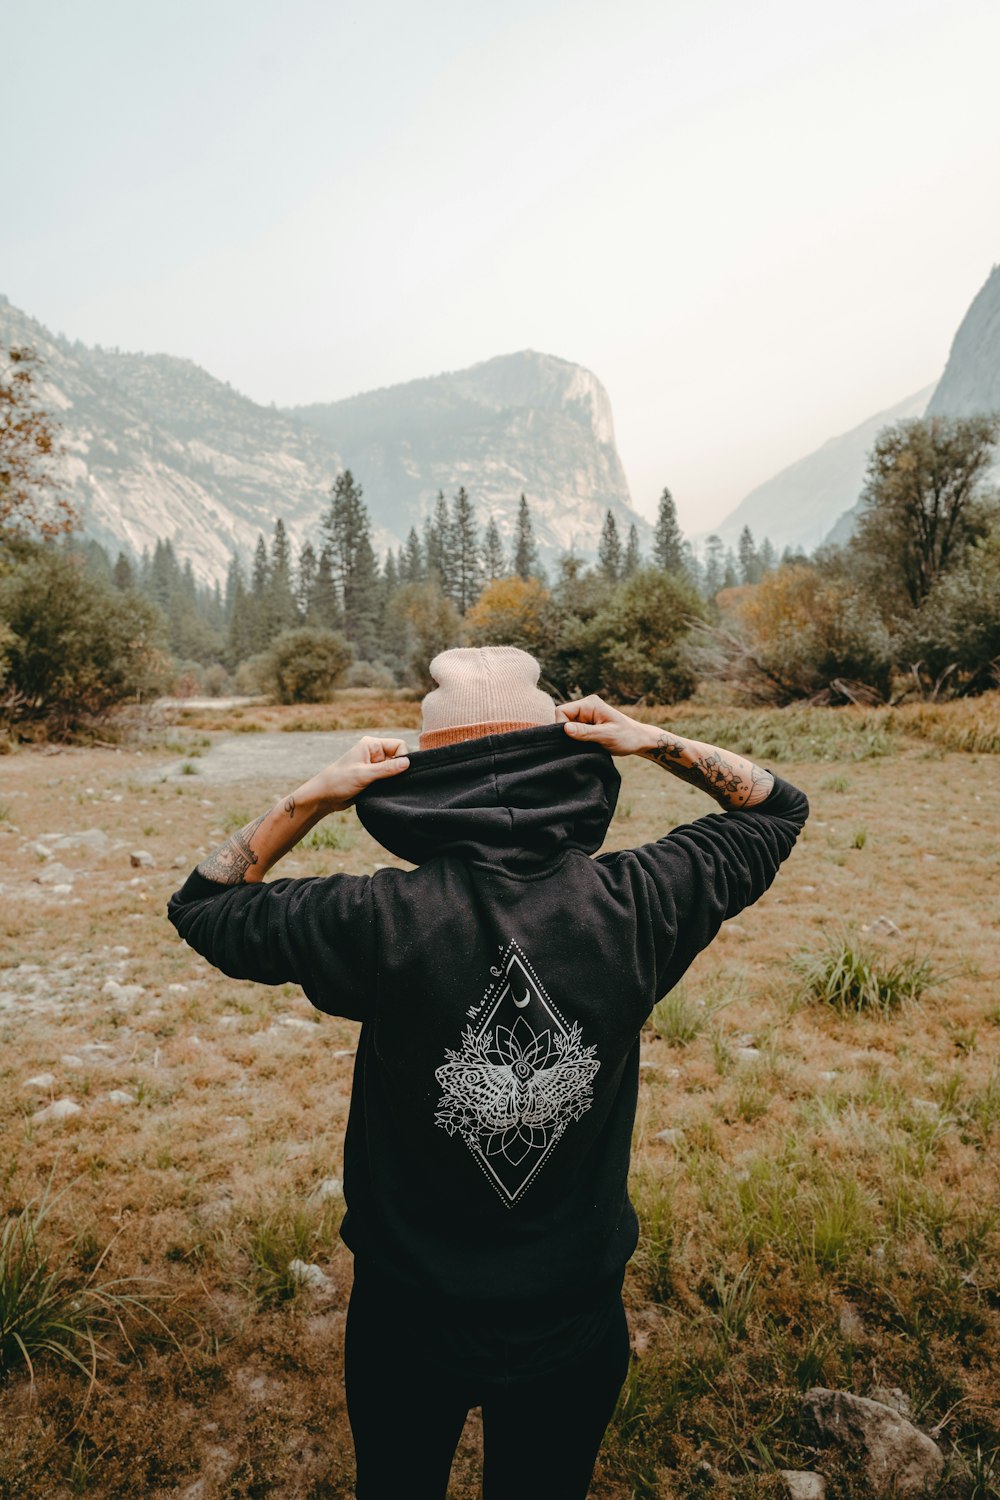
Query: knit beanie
x,y
482,690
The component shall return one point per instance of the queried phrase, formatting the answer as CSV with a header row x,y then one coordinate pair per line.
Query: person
x,y
501,985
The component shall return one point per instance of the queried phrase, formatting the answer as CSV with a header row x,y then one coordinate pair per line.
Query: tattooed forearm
x,y
290,806
732,780
230,862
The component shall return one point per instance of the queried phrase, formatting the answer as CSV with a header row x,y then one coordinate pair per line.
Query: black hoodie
x,y
502,985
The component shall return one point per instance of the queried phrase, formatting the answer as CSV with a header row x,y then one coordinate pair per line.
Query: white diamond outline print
x,y
510,1090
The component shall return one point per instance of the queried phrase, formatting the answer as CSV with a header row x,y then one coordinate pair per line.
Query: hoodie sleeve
x,y
702,873
317,933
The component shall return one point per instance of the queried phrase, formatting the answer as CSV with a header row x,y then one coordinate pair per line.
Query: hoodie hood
x,y
520,799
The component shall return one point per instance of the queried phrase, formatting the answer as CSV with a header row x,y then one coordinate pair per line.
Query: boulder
x,y
897,1457
802,1484
54,874
308,1274
330,1187
141,859
40,1081
59,1109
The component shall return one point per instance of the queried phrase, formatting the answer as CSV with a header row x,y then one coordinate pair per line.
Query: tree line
x,y
910,605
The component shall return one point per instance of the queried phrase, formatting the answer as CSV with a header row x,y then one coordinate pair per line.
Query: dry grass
x,y
825,1211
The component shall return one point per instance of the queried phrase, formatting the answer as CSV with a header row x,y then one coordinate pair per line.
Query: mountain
x,y
157,447
798,506
816,499
520,422
971,379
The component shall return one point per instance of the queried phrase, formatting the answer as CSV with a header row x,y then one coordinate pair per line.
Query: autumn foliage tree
x,y
31,503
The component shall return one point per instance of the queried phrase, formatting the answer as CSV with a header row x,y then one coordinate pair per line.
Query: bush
x,y
305,665
71,646
633,645
370,674
511,612
952,643
423,622
807,628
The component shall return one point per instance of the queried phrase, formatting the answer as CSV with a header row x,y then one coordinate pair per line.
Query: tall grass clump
x,y
46,1309
273,1239
853,977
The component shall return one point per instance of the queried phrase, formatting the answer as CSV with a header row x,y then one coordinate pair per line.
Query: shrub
x,y
807,628
305,665
370,674
423,622
71,646
511,612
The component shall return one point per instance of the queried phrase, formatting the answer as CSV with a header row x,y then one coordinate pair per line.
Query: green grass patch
x,y
854,977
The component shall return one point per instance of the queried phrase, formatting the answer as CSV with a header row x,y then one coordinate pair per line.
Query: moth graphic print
x,y
517,1080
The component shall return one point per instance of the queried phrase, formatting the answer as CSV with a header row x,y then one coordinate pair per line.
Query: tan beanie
x,y
482,690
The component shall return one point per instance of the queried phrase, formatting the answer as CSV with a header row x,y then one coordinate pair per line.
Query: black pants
x,y
410,1388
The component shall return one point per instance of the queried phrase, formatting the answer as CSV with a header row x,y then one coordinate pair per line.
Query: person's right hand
x,y
594,720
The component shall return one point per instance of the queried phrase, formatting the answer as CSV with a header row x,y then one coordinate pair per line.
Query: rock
x,y
88,838
803,1485
59,1109
308,1274
330,1187
42,850
55,874
40,1081
747,1054
141,859
897,1457
62,889
177,989
882,927
670,1137
180,863
120,1096
850,1322
70,1060
891,1395
295,1021
123,994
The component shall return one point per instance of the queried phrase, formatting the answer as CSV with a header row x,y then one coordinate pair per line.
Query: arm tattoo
x,y
290,806
230,862
711,770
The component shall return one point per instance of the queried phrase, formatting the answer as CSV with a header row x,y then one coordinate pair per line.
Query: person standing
x,y
501,985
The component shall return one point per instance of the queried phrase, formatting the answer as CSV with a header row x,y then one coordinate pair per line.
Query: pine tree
x,y
305,583
668,541
494,561
609,550
467,568
411,568
234,576
365,601
766,556
633,557
241,636
280,607
525,558
352,561
122,573
714,565
325,606
730,576
439,547
261,571
751,569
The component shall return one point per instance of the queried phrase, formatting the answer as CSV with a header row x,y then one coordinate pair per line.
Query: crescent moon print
x,y
517,1081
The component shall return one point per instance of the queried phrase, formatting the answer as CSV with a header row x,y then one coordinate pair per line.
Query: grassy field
x,y
825,1208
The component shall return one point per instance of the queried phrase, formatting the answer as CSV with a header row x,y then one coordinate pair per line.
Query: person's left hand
x,y
371,759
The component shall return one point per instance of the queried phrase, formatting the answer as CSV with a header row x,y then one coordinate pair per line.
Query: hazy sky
x,y
756,223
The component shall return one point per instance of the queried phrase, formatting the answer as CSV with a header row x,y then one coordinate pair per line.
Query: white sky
x,y
757,223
